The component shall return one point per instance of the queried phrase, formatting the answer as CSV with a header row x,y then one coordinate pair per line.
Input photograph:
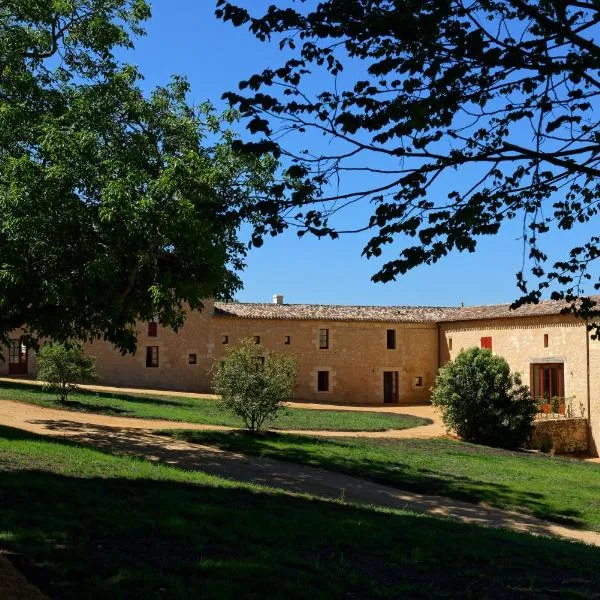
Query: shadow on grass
x,y
31,388
98,537
401,475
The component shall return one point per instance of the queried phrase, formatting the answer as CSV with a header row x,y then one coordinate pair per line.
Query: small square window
x,y
323,339
391,339
259,362
546,340
225,339
257,339
287,340
152,329
323,381
419,381
151,356
192,359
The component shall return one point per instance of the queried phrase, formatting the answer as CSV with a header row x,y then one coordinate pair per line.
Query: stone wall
x,y
560,436
356,358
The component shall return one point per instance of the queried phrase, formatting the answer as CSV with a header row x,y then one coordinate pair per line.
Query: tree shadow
x,y
400,475
78,535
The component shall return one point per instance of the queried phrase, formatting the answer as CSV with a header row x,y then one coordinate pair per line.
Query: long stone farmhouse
x,y
361,354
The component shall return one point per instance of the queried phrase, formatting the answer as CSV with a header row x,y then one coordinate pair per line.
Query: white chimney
x,y
277,298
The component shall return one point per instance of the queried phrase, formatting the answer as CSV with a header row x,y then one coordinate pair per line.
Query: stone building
x,y
360,354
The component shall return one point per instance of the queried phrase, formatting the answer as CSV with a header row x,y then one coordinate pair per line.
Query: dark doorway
x,y
17,358
390,387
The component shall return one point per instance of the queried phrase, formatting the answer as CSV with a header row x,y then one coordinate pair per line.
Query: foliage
x,y
253,384
410,94
61,367
482,401
115,205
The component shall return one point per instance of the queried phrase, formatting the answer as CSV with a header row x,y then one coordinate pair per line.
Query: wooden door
x,y
390,387
17,357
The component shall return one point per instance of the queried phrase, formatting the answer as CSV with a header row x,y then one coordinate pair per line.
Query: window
x,y
152,329
192,359
257,339
225,339
449,343
546,340
391,339
486,343
151,356
323,339
323,381
287,340
259,362
547,380
419,381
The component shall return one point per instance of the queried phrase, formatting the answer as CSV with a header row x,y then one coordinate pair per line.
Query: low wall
x,y
560,436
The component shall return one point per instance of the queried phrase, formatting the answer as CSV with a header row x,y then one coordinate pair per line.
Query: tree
x,y
455,116
482,401
115,205
62,367
253,384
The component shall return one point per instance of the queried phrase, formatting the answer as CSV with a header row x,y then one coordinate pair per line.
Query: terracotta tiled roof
x,y
330,312
390,314
503,311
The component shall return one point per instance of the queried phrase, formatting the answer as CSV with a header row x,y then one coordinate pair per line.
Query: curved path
x,y
133,437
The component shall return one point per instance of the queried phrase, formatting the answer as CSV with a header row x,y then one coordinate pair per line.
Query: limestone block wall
x,y
521,342
174,370
356,358
560,436
594,377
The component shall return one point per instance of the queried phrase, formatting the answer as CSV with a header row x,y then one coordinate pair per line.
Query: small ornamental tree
x,y
482,401
253,384
61,367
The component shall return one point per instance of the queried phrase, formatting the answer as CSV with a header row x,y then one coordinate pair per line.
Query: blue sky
x,y
185,38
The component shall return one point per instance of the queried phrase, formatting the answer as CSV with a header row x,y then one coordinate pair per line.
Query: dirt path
x,y
435,429
109,433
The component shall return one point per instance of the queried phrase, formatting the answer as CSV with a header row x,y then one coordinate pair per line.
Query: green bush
x,y
253,384
61,367
482,401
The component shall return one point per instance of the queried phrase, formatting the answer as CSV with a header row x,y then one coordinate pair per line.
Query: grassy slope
x,y
81,524
552,488
207,411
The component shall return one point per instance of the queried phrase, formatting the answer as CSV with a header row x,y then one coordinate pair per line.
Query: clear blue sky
x,y
184,37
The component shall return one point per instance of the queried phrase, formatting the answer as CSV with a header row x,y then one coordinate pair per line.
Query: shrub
x,y
61,367
254,384
482,401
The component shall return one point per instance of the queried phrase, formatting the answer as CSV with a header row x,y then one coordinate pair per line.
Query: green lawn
x,y
205,410
558,489
83,524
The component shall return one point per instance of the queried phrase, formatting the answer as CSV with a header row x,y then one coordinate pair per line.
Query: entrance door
x,y
390,387
548,380
17,358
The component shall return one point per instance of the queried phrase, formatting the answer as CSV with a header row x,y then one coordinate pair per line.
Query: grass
x,y
204,410
558,489
83,524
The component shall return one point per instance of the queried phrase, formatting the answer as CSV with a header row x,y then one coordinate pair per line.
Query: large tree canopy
x,y
114,205
455,116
